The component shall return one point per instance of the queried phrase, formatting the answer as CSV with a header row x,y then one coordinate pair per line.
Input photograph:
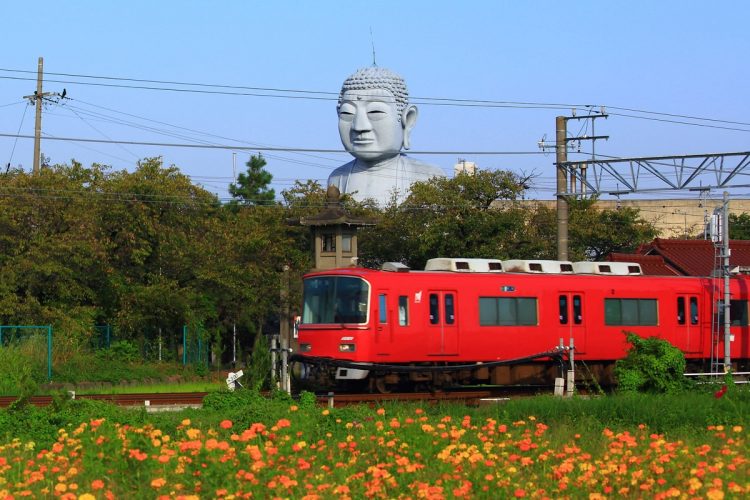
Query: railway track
x,y
183,399
195,399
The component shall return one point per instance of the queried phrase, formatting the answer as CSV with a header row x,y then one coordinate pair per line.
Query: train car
x,y
466,321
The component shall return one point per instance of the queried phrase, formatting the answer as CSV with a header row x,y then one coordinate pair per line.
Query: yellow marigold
x,y
86,496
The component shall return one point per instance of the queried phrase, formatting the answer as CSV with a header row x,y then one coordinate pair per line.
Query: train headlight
x,y
347,347
305,348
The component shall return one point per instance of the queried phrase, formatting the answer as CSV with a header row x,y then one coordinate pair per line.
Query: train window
x,y
450,309
403,310
507,311
630,312
563,306
693,310
335,299
382,308
680,310
434,309
737,312
577,310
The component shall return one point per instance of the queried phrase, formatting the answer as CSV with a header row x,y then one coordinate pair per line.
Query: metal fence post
x,y
49,353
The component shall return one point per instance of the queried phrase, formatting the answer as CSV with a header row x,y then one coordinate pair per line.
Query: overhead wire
x,y
13,149
328,95
269,151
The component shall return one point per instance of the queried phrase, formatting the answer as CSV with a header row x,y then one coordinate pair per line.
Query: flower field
x,y
320,453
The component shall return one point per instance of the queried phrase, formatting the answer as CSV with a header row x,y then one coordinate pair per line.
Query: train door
x,y
687,331
442,324
383,323
571,320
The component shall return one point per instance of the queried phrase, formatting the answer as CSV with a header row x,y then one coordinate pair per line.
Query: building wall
x,y
673,218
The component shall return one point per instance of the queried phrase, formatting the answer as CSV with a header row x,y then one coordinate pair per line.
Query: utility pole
x,y
561,148
727,297
37,98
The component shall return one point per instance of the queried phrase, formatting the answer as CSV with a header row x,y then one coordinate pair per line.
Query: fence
x,y
12,334
192,348
195,347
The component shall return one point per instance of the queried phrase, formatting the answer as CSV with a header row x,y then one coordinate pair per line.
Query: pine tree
x,y
252,187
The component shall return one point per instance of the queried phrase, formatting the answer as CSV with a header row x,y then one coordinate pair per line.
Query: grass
x,y
157,388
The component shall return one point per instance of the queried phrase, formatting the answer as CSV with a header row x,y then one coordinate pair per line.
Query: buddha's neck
x,y
391,161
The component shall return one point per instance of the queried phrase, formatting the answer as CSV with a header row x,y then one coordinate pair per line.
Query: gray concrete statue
x,y
375,120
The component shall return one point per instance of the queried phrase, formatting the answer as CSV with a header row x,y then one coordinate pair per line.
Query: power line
x,y
679,122
13,150
266,148
327,95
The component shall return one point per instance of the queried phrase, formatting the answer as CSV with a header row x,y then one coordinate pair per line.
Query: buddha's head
x,y
375,117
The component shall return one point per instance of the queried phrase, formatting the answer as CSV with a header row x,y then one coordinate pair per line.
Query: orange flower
x,y
226,424
158,482
97,484
283,423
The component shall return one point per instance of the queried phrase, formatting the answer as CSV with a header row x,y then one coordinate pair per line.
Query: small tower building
x,y
334,233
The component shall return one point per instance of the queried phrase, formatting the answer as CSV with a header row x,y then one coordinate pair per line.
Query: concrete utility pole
x,y
37,98
727,297
38,122
561,145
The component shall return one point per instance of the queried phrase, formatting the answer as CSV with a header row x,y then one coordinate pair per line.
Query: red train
x,y
500,322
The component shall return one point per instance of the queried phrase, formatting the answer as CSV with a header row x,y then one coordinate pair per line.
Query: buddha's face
x,y
369,124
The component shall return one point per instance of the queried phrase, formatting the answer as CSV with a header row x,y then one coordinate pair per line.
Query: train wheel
x,y
381,386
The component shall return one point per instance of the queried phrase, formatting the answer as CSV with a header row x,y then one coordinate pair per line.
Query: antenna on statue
x,y
372,41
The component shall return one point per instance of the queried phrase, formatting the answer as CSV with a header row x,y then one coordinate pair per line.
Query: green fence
x,y
192,347
195,346
13,334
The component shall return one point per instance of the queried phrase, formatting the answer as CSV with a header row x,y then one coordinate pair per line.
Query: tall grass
x,y
23,364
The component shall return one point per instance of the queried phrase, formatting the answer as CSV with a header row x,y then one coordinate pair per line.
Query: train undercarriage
x,y
342,376
325,374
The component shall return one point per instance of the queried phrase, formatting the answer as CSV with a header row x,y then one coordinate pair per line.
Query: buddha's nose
x,y
361,122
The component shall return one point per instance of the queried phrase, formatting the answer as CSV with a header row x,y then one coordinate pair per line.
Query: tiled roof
x,y
695,257
653,265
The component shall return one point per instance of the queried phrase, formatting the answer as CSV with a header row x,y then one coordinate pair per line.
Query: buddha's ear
x,y
408,120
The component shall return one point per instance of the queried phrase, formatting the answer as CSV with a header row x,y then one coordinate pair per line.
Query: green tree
x,y
53,266
450,217
739,226
594,233
252,187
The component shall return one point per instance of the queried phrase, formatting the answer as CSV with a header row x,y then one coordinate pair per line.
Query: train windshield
x,y
335,299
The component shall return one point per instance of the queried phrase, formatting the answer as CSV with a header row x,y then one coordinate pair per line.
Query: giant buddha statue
x,y
375,120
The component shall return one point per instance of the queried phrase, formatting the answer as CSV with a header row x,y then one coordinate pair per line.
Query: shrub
x,y
259,371
651,365
121,350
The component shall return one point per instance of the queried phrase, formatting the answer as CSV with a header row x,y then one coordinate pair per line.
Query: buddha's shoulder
x,y
421,169
342,171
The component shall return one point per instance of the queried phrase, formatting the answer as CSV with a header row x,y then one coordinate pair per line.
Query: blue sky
x,y
677,57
